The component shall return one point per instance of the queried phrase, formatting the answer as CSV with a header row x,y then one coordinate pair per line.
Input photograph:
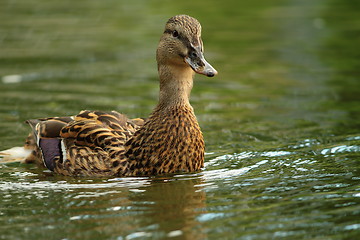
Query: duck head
x,y
181,46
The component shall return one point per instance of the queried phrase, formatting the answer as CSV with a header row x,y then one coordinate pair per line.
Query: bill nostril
x,y
210,74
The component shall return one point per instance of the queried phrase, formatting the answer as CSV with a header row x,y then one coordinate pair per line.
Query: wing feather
x,y
92,142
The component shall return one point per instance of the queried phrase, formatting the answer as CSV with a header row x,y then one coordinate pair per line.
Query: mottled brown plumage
x,y
95,143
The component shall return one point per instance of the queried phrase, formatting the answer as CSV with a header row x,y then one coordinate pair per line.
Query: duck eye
x,y
194,55
175,34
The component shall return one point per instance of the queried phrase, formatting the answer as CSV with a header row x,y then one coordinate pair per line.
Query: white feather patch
x,y
15,154
63,150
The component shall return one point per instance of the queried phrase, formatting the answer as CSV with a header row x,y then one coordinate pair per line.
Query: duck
x,y
96,143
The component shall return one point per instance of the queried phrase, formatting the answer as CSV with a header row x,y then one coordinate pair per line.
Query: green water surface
x,y
281,121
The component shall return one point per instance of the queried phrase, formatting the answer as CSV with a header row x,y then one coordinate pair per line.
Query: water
x,y
281,120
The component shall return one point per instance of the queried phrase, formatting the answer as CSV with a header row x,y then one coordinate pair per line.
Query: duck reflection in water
x,y
168,206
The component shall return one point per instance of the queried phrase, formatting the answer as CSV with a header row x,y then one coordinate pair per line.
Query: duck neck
x,y
175,85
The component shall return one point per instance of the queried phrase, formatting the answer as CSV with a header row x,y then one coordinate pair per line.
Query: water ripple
x,y
132,183
340,149
229,173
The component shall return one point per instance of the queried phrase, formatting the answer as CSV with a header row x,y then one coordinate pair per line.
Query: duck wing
x,y
90,144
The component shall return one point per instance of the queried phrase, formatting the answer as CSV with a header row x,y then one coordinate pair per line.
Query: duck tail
x,y
42,146
25,154
15,154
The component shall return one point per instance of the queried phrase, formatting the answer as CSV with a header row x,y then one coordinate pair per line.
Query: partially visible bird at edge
x,y
95,143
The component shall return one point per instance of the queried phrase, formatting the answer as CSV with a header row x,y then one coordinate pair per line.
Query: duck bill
x,y
198,63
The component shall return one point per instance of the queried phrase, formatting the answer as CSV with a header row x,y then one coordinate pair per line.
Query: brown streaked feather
x,y
91,139
176,145
87,161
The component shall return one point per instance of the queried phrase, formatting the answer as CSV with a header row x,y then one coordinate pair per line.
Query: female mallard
x,y
109,144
